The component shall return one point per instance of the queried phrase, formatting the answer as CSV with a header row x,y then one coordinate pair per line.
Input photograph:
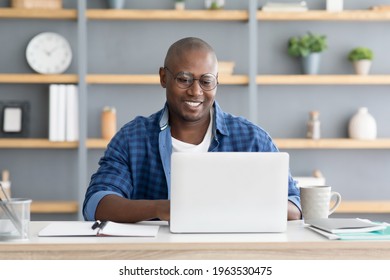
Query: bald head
x,y
178,49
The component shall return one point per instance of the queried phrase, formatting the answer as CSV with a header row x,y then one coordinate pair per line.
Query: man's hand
x,y
293,213
122,210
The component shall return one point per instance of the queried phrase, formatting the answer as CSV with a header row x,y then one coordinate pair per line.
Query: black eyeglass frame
x,y
193,79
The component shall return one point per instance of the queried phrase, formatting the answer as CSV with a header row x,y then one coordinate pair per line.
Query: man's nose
x,y
195,88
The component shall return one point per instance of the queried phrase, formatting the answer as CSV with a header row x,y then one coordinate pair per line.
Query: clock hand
x,y
49,52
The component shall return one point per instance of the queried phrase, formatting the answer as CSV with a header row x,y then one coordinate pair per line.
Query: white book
x,y
79,228
61,112
344,225
53,112
285,7
72,113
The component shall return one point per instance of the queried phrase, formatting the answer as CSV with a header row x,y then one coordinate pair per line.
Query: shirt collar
x,y
218,123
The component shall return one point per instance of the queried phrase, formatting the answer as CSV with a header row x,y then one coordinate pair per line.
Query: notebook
x,y
229,192
108,228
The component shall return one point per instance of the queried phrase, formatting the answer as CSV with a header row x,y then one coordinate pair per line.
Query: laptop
x,y
229,192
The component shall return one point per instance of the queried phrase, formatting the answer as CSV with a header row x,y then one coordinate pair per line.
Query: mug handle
x,y
337,197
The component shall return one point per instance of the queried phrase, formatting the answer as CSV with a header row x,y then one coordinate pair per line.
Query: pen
x,y
99,224
96,224
14,219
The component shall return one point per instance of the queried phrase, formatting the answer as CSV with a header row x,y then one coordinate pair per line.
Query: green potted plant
x,y
214,4
361,57
308,48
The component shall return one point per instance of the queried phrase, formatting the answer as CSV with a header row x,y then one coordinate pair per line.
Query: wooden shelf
x,y
95,143
54,207
38,14
323,80
155,79
332,143
297,143
364,207
171,15
38,78
352,15
28,143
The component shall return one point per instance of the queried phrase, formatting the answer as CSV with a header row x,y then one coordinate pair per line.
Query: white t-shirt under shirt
x,y
203,147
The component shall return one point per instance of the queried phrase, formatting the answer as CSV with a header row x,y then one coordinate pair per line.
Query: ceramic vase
x,y
311,64
362,67
362,125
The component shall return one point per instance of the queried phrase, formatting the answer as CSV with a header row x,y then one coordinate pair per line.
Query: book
x,y
53,112
300,6
344,225
61,117
108,228
72,113
373,235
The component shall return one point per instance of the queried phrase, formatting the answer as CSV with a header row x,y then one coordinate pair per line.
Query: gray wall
x,y
138,47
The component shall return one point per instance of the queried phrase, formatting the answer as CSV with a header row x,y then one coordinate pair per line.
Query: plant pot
x,y
311,64
180,5
362,67
116,4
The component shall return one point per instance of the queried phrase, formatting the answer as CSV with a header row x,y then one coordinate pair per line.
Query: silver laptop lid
x,y
229,192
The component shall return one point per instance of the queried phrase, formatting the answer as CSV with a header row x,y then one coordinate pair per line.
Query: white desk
x,y
297,243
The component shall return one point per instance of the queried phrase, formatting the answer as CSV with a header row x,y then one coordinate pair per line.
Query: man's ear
x,y
163,77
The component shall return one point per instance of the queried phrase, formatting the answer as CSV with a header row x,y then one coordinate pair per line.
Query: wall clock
x,y
49,53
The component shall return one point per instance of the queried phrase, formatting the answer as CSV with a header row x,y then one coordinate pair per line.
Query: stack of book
x,y
63,113
296,6
350,229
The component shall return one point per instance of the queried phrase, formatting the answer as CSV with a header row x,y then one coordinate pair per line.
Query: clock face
x,y
49,53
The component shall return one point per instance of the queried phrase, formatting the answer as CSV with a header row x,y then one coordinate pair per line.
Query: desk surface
x,y
297,243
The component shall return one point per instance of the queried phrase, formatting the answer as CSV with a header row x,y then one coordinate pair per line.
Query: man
x,y
132,182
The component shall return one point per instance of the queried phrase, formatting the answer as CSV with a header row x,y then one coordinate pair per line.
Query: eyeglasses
x,y
185,80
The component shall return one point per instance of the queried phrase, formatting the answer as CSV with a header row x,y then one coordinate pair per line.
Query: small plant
x,y
360,53
306,44
214,4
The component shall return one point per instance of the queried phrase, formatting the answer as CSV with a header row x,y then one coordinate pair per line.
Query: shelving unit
x,y
312,15
323,80
158,15
38,14
155,79
37,78
54,207
237,79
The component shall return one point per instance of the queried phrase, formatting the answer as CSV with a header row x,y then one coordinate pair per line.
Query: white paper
x,y
79,228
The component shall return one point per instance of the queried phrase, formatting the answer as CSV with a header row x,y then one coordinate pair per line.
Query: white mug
x,y
315,201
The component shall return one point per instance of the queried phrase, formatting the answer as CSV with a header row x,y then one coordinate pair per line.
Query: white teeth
x,y
193,104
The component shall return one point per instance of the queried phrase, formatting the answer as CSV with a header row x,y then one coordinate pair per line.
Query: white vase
x,y
362,67
362,125
334,5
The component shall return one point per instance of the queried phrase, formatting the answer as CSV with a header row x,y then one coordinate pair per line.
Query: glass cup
x,y
14,218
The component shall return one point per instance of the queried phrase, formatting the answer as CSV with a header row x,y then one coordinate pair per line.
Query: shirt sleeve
x,y
293,192
112,176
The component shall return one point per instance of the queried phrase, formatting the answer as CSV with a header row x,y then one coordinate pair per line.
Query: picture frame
x,y
14,119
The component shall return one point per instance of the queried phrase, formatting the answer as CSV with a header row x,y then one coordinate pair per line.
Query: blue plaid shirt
x,y
136,164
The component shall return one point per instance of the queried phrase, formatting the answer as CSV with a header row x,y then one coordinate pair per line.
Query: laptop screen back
x,y
229,192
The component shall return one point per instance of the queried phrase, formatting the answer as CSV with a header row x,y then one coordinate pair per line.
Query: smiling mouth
x,y
193,103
